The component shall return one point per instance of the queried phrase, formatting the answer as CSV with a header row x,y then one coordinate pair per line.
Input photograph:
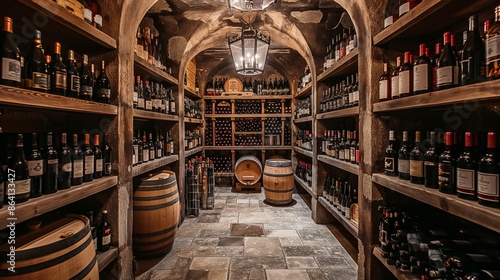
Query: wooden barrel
x,y
248,170
156,213
61,250
278,181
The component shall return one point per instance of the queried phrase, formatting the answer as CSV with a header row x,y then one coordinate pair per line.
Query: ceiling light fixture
x,y
249,5
249,48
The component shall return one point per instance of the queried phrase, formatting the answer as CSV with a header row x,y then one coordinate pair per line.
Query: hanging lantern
x,y
249,49
249,5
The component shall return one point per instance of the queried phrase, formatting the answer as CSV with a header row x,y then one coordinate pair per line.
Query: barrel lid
x,y
279,162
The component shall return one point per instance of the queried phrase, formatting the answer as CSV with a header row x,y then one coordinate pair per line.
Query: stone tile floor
x,y
243,238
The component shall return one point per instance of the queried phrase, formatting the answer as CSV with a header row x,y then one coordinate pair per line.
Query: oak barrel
x,y
278,181
248,170
61,250
156,213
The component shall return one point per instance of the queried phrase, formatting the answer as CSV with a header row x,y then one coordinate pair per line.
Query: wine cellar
x,y
265,139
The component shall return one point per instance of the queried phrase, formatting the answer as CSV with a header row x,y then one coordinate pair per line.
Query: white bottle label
x,y
395,86
78,168
140,103
416,168
87,15
11,69
172,107
492,47
89,165
106,240
405,8
22,186
466,179
149,105
145,156
388,21
136,95
404,82
404,166
383,88
444,76
98,20
420,77
356,95
35,167
98,165
487,186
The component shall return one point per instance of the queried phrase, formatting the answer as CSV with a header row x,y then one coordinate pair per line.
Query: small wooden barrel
x,y
278,181
61,250
156,213
248,170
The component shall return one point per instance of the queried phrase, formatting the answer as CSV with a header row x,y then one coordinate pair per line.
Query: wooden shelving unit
x,y
349,167
339,217
303,151
246,148
304,92
253,97
194,151
303,120
143,68
46,203
400,275
148,115
304,185
191,94
105,258
343,113
154,164
219,116
344,66
193,120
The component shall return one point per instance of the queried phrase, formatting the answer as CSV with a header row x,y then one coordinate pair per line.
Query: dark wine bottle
x,y
104,233
466,170
77,167
445,65
492,50
65,164
404,158
35,167
93,230
446,167
102,86
395,80
37,76
86,80
488,173
140,151
106,149
51,166
22,176
98,158
417,161
422,72
473,56
73,78
391,156
431,160
88,160
10,71
58,75
406,77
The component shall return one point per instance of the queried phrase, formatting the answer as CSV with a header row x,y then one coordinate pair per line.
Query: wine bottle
x,y
145,149
93,230
58,75
384,85
417,161
466,170
404,158
422,72
445,65
86,80
104,233
152,147
405,77
65,164
37,77
77,167
488,173
446,167
98,158
171,103
139,148
10,72
22,176
135,101
51,166
96,13
431,160
434,62
395,80
492,50
456,68
35,167
88,160
102,86
87,12
73,78
473,56
107,151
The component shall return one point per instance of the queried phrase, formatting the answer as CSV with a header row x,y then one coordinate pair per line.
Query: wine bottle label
x,y
152,154
87,15
405,8
389,164
445,174
98,21
404,166
106,240
395,86
172,107
140,103
99,165
75,83
145,157
341,154
159,153
466,179
35,167
135,97
149,105
388,21
134,158
444,76
337,55
95,242
40,81
67,167
107,168
416,168
22,186
104,93
488,186
52,161
11,69
492,48
89,165
383,89
420,77
404,82
60,80
77,168
85,90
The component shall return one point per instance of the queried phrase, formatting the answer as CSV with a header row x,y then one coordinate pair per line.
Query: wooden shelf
x,y
248,132
77,33
224,174
487,91
400,275
148,115
304,92
304,185
349,167
105,258
341,218
253,97
34,99
247,148
152,165
346,65
213,116
192,120
146,70
303,151
193,151
343,113
191,94
466,209
303,120
46,203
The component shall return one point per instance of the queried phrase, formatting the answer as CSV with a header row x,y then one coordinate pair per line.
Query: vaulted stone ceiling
x,y
300,31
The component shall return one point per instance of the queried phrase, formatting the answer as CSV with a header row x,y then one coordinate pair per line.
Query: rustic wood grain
x,y
148,115
377,252
342,113
339,217
349,167
152,165
192,152
304,185
303,120
193,120
304,92
191,94
146,70
346,65
303,152
105,258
